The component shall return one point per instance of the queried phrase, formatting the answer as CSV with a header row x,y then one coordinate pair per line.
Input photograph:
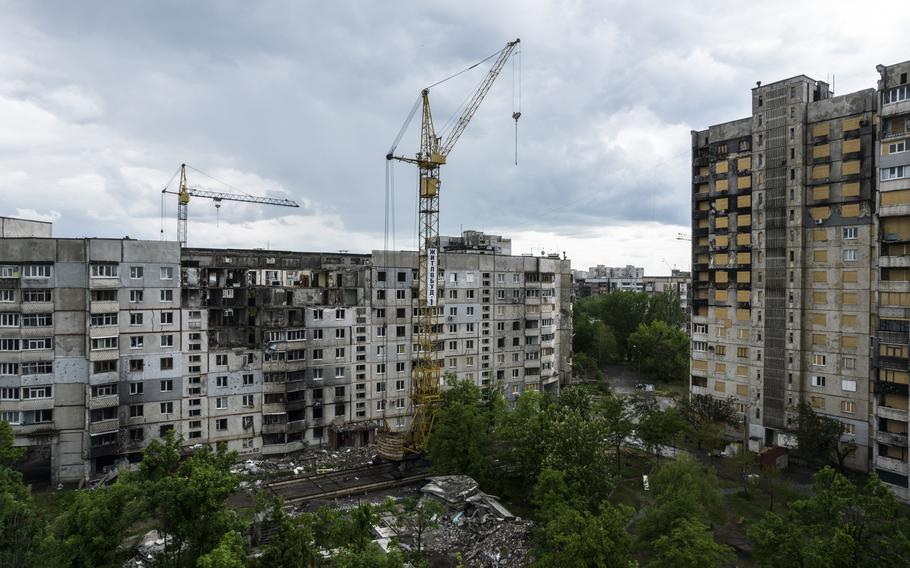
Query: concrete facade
x,y
799,288
107,344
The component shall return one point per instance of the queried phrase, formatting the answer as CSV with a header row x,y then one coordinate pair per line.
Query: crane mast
x,y
185,192
426,376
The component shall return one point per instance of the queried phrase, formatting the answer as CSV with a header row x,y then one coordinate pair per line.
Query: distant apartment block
x,y
107,344
800,287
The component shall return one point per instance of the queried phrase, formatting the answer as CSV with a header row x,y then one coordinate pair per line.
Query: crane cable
x,y
516,113
177,171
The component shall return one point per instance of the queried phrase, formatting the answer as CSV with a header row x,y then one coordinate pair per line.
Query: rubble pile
x,y
477,526
306,462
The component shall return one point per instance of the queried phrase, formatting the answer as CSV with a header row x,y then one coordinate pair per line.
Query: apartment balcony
x,y
103,283
274,428
894,210
891,413
279,449
894,261
893,337
296,426
892,109
894,312
104,426
893,286
37,307
885,387
891,438
104,307
103,401
892,464
36,404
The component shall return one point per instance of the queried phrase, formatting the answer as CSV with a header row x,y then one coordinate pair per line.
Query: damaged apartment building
x,y
800,286
107,344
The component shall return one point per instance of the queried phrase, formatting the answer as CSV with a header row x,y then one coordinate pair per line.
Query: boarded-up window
x,y
742,296
721,204
703,206
851,146
720,368
848,320
702,224
818,318
701,188
699,365
721,241
817,401
722,185
721,167
851,189
820,235
820,212
819,276
720,295
743,257
819,298
850,298
721,259
744,182
821,151
720,277
742,390
744,163
819,339
743,220
742,371
701,259
720,313
820,255
820,192
901,197
703,170
848,341
743,238
850,276
851,123
820,130
897,226
720,386
743,277
821,171
744,201
851,167
742,315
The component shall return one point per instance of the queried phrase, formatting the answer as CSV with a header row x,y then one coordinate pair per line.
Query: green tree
x,y
666,307
744,461
417,516
461,440
690,544
662,351
659,427
521,437
580,538
699,409
230,553
585,368
188,498
839,525
90,531
292,545
21,532
818,438
680,489
623,312
619,415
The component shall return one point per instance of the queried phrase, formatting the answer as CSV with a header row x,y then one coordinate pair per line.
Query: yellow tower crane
x,y
184,192
426,384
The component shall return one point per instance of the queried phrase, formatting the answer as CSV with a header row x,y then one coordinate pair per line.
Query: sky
x,y
100,102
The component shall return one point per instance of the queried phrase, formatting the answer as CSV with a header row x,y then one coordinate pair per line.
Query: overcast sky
x,y
101,101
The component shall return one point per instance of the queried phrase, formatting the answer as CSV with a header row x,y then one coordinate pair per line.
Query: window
x,y
136,342
221,424
7,296
167,318
47,343
34,295
221,360
339,372
9,369
247,380
317,354
699,346
848,406
103,343
227,293
137,410
849,233
167,408
380,405
818,381
819,360
847,385
36,271
701,328
895,172
11,416
135,296
317,374
37,392
720,350
896,94
166,363
7,271
400,367
849,363
380,369
849,255
401,294
317,314
136,272
136,318
166,385
136,365
9,393
897,147
167,340
166,295
742,352
221,403
105,270
37,320
97,320
339,333
99,367
136,389
9,320
166,273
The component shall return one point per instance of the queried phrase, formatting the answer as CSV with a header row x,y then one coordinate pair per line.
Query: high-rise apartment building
x,y
792,265
107,344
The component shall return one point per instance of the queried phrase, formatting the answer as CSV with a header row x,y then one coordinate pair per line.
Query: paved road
x,y
622,379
